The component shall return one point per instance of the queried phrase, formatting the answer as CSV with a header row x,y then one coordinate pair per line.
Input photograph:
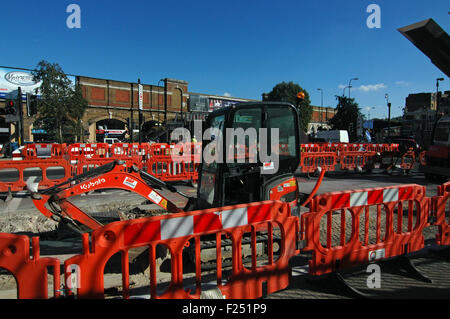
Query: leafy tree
x,y
346,116
61,106
287,92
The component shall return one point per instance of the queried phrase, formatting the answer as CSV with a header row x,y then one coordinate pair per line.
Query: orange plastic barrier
x,y
310,147
170,170
423,158
35,151
78,151
349,160
310,162
30,273
408,160
24,169
177,231
442,214
330,147
174,162
125,150
356,249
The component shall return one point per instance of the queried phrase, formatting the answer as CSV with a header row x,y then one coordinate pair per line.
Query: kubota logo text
x,y
92,183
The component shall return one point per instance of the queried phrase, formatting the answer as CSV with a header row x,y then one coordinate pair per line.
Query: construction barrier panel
x,y
174,162
442,211
333,252
170,170
408,159
30,273
310,162
78,151
176,232
40,151
423,158
310,148
124,150
16,173
350,160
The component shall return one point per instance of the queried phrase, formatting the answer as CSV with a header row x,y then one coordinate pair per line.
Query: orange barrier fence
x,y
440,207
30,273
350,160
310,162
35,151
335,147
350,156
16,173
355,249
422,158
77,151
176,232
342,229
170,170
173,162
408,159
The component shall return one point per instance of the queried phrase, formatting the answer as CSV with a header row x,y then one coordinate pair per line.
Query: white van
x,y
335,136
111,140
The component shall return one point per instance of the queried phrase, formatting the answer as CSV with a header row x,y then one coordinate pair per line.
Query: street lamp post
x,y
437,109
437,91
139,111
181,106
159,91
386,96
350,85
321,105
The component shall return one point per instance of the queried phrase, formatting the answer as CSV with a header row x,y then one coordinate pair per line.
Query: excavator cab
x,y
251,155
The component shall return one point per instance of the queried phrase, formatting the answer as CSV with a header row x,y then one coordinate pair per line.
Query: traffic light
x,y
32,101
11,107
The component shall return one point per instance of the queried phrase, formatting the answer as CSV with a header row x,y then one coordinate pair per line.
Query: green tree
x,y
346,117
287,92
61,106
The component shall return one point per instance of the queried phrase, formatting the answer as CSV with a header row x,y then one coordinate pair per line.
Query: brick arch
x,y
101,118
92,121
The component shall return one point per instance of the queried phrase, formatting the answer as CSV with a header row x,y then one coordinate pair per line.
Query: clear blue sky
x,y
242,48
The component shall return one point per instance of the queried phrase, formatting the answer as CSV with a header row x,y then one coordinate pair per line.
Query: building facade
x,y
113,108
421,113
319,119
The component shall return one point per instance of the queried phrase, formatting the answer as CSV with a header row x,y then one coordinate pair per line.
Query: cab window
x,y
244,136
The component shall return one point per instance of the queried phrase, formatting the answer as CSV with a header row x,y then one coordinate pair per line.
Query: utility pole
x,y
20,123
141,99
131,114
321,106
437,110
386,96
350,85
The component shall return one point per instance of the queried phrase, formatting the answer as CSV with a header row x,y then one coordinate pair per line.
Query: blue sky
x,y
242,48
